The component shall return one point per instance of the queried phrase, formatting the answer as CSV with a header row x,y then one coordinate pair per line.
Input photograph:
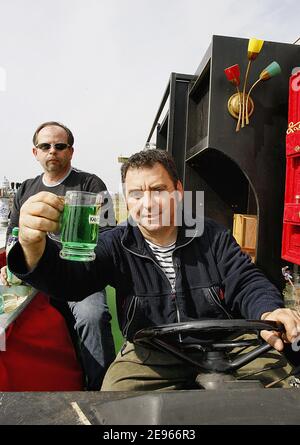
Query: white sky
x,y
101,68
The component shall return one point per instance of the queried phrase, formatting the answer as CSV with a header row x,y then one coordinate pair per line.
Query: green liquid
x,y
79,232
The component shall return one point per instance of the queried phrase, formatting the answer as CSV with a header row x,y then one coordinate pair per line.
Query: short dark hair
x,y
147,158
53,124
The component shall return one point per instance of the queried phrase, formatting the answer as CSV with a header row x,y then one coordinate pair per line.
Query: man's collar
x,y
134,240
57,182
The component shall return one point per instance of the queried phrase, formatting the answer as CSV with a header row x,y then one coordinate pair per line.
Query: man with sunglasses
x,y
53,149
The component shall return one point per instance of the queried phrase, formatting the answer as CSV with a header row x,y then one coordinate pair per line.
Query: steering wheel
x,y
213,354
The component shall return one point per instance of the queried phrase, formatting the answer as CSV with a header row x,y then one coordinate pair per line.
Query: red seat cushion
x,y
2,259
39,352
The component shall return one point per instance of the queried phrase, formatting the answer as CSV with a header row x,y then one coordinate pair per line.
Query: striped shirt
x,y
163,254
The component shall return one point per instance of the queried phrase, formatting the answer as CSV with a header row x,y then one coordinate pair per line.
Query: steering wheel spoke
x,y
211,340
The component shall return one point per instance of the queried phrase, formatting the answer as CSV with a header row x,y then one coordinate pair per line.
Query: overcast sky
x,y
101,67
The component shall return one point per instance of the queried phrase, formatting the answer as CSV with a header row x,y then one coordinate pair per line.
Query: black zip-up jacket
x,y
214,278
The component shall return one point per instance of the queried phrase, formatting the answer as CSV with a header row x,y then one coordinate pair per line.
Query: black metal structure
x,y
171,131
239,172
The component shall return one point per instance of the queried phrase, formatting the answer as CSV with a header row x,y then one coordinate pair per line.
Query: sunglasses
x,y
60,146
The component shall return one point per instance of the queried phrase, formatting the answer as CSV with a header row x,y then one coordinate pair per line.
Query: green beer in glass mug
x,y
80,225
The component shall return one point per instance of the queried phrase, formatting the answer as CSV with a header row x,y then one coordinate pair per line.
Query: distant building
x,y
118,198
119,207
122,159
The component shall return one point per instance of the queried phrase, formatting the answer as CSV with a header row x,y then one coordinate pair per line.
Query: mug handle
x,y
54,236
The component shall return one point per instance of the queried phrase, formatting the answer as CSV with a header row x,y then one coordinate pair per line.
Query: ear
x,y
34,151
179,188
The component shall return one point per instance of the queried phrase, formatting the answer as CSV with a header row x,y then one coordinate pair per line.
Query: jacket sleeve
x,y
66,280
247,291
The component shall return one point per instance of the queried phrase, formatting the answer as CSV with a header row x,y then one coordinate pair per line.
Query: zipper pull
x,y
173,293
176,265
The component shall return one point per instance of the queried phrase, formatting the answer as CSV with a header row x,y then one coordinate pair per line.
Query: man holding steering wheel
x,y
164,271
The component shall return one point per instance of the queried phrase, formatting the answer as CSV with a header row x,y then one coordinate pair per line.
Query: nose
x,y
52,148
147,200
151,202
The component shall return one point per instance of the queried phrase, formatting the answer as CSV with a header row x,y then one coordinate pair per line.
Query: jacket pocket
x,y
215,293
205,302
146,311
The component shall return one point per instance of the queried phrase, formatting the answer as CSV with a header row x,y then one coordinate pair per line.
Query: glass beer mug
x,y
79,225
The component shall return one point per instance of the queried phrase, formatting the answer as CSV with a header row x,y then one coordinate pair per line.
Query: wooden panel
x,y
244,230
